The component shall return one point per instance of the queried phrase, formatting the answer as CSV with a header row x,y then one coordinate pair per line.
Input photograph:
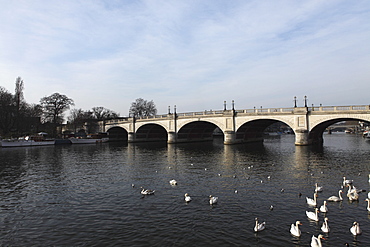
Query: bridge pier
x,y
172,137
229,137
131,137
301,138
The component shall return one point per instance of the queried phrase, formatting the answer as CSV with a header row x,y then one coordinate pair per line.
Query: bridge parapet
x,y
256,111
308,123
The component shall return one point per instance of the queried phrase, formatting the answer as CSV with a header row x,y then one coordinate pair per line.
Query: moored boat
x,y
26,142
87,140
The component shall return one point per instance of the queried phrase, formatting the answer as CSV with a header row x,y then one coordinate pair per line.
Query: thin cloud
x,y
187,53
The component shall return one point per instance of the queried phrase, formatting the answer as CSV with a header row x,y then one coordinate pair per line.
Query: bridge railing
x,y
249,111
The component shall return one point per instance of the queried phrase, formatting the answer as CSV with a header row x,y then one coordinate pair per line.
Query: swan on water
x,y
311,201
259,226
313,215
324,208
316,241
352,193
355,229
294,229
347,181
173,182
146,191
318,188
336,198
325,226
368,204
187,197
213,199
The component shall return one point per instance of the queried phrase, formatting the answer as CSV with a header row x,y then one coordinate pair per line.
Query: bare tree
x,y
143,108
102,113
19,101
53,108
7,111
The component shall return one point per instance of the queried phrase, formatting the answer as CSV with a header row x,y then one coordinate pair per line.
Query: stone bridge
x,y
237,126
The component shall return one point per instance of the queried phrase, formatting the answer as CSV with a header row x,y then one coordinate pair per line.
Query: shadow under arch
x,y
151,132
316,134
197,131
253,131
117,134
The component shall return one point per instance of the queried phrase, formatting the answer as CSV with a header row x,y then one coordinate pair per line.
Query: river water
x,y
82,195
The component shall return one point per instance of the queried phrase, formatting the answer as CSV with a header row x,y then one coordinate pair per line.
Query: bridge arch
x,y
117,134
196,131
151,132
253,130
316,132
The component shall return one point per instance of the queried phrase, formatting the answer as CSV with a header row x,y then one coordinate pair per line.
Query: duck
x,y
316,241
311,201
294,229
368,204
313,215
347,181
336,198
325,226
318,188
187,197
173,182
146,191
213,199
355,229
259,226
324,208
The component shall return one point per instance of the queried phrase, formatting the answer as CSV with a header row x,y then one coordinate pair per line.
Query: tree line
x,y
19,118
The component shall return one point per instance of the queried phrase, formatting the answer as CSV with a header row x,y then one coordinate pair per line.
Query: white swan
x,y
324,208
352,193
173,182
325,226
311,201
213,199
347,181
259,226
318,188
316,241
187,197
355,229
368,204
294,229
146,191
336,198
313,215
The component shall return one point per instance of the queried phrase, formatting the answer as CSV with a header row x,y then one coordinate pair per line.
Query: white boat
x,y
367,136
26,142
87,140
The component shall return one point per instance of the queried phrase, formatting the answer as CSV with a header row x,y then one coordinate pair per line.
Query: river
x,y
89,195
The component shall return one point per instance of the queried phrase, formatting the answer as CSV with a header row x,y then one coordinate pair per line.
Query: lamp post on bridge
x,y
233,104
225,105
305,101
169,110
295,101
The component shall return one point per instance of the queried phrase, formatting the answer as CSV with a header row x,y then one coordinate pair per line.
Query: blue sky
x,y
190,53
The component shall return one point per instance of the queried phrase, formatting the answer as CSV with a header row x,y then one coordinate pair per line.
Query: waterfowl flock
x,y
352,195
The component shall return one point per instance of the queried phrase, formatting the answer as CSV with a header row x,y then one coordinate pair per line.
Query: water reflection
x,y
82,194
